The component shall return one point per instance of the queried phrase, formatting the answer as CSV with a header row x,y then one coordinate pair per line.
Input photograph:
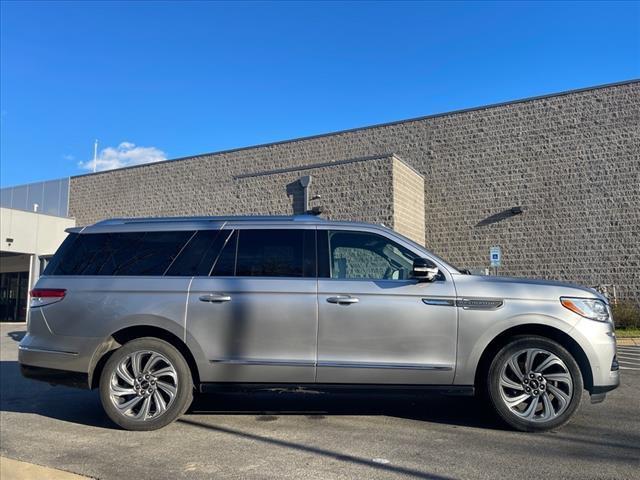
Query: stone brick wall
x,y
571,161
357,189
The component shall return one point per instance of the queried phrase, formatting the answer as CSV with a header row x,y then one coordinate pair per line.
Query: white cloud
x,y
124,155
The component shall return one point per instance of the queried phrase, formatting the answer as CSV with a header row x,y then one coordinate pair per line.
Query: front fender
x,y
478,328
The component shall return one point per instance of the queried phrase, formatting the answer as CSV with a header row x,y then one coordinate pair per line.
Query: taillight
x,y
46,296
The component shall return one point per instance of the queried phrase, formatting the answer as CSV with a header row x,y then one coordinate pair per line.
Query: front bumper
x,y
598,341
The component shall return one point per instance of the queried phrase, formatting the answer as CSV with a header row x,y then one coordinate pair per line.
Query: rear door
x,y
376,324
255,312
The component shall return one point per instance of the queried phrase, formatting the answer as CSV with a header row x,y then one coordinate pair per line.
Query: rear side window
x,y
225,263
276,253
202,252
130,253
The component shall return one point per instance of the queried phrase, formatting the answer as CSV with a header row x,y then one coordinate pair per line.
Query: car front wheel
x,y
145,385
534,384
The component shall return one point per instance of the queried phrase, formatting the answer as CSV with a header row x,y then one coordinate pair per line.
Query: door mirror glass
x,y
424,270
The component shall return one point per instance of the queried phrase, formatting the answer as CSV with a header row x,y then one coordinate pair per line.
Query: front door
x,y
376,324
256,315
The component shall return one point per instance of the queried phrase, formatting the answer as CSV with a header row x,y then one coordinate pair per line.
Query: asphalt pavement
x,y
307,435
629,357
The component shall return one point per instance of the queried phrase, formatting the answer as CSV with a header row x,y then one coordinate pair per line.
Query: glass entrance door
x,y
13,296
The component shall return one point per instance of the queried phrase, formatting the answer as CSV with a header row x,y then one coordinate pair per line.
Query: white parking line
x,y
629,368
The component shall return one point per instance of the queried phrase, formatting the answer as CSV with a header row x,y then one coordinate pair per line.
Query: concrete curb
x,y
628,341
16,470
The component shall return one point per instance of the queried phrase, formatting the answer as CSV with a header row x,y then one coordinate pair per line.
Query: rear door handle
x,y
215,297
343,299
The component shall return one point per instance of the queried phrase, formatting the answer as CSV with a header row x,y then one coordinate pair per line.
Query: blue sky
x,y
165,80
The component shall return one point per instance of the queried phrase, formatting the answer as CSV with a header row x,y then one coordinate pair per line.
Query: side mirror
x,y
424,270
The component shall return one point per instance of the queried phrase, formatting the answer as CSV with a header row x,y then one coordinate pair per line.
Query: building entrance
x,y
14,292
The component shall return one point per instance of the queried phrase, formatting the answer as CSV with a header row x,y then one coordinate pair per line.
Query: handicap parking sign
x,y
495,256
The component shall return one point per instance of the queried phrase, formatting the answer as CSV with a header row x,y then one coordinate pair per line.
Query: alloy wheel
x,y
143,385
535,385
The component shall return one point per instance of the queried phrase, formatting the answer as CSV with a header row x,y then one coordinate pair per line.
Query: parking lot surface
x,y
629,357
307,435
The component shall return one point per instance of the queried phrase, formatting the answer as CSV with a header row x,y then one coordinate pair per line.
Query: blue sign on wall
x,y
495,256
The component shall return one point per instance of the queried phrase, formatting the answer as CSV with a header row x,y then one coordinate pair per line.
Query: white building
x,y
30,234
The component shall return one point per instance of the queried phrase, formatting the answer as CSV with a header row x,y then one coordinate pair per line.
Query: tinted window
x,y
276,253
61,253
360,255
131,253
197,258
225,262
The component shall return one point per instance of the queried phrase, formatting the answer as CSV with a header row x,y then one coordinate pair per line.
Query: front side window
x,y
276,253
362,255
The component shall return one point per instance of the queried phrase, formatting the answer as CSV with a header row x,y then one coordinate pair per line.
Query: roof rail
x,y
236,218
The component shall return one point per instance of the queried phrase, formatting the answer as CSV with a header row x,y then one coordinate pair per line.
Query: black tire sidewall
x,y
493,385
184,395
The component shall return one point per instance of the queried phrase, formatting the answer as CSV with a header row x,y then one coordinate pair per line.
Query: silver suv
x,y
152,310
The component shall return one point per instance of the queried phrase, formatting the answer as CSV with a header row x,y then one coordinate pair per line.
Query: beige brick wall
x,y
408,201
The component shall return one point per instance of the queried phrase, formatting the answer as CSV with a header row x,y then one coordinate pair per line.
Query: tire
x,y
543,402
141,403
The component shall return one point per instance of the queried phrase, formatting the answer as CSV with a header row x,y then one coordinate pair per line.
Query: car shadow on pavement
x,y
21,395
269,406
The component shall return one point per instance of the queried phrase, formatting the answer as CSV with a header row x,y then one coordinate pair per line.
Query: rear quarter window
x,y
130,253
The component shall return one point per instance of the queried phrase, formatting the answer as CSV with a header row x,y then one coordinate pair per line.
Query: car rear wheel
x,y
534,384
145,385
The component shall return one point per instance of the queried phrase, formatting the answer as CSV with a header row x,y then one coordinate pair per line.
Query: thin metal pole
x,y
95,155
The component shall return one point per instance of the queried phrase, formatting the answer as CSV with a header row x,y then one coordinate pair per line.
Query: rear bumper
x,y
56,359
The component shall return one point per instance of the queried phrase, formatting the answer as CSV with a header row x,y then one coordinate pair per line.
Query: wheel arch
x,y
534,329
126,334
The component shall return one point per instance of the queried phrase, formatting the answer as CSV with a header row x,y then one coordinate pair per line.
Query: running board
x,y
314,388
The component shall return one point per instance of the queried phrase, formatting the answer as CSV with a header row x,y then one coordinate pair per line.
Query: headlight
x,y
587,307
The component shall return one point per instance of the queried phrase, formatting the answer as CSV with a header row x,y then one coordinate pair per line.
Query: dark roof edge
x,y
377,125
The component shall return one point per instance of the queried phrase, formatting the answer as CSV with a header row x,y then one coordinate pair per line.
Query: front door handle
x,y
343,300
215,297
